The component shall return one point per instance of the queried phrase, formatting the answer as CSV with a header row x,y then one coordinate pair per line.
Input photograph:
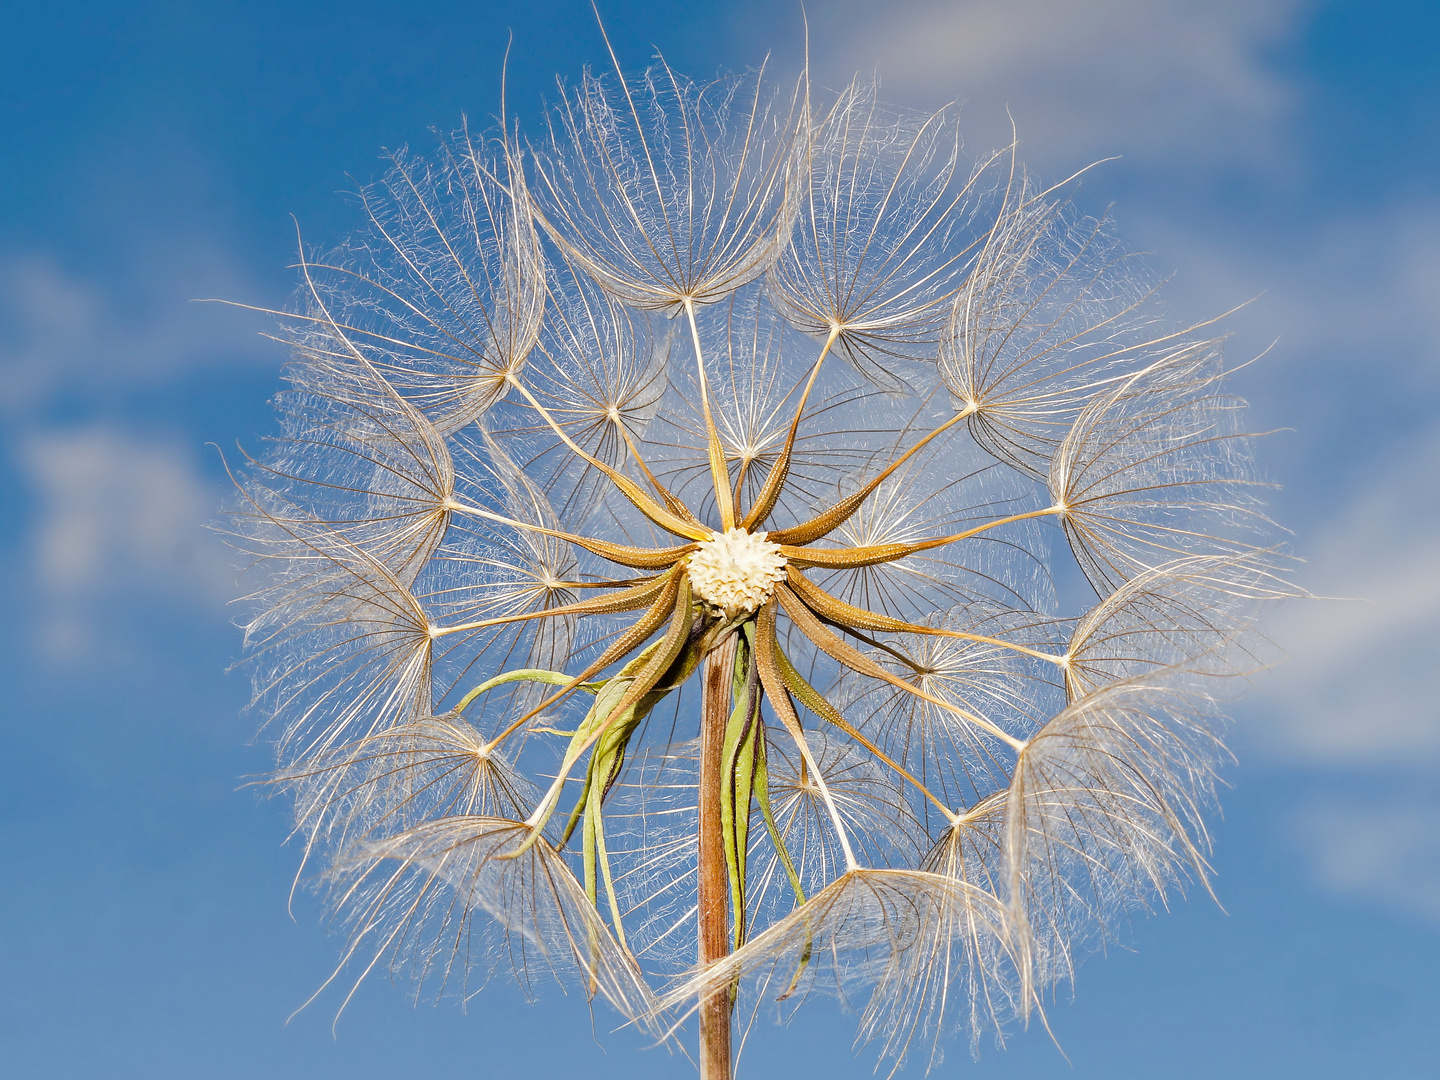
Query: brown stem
x,y
714,882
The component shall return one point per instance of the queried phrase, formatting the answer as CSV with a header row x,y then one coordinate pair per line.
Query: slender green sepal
x,y
541,675
736,783
587,846
610,693
762,800
802,965
595,836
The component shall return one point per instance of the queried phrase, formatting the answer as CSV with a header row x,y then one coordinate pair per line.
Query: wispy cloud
x,y
63,335
1350,298
1360,687
1386,849
119,517
119,502
1186,77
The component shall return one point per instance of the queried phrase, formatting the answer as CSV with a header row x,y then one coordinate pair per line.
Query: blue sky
x,y
1280,150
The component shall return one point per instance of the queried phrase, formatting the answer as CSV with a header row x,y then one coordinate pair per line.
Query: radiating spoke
x,y
812,628
631,490
773,679
852,558
838,612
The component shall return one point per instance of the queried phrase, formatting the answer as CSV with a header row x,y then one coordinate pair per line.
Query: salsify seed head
x,y
753,407
736,571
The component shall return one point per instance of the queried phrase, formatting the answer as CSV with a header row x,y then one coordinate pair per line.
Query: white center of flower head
x,y
736,571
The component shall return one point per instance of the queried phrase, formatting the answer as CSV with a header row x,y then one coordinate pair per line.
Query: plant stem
x,y
714,935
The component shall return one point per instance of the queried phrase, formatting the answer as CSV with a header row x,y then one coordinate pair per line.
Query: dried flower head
x,y
735,571
656,566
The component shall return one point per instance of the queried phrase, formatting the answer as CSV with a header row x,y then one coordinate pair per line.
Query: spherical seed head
x,y
735,571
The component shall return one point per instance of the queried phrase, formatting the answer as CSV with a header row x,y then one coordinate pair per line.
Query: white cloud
x,y
1188,77
1352,303
1385,850
116,514
1356,373
119,515
1360,688
62,335
1350,294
